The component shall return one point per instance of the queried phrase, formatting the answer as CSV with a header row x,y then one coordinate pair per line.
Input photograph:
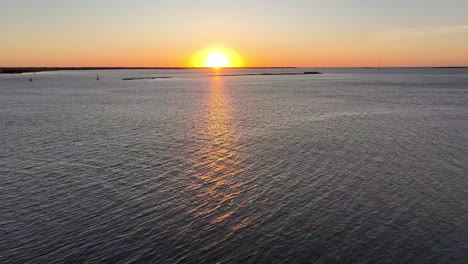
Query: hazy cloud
x,y
412,33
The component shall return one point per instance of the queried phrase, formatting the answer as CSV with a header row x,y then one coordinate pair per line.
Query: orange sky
x,y
264,33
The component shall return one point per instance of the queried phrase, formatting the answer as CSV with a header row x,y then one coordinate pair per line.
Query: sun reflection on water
x,y
217,164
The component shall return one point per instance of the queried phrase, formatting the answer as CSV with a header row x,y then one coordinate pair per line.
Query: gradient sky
x,y
314,33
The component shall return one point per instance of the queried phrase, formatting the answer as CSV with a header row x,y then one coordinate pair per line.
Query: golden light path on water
x,y
218,164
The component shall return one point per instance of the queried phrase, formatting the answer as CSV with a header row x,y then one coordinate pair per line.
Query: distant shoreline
x,y
20,70
451,67
269,74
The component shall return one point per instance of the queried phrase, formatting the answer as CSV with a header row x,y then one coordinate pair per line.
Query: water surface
x,y
352,166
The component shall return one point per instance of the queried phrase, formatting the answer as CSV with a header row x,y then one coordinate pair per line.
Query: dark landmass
x,y
145,78
269,74
241,74
19,70
451,67
45,69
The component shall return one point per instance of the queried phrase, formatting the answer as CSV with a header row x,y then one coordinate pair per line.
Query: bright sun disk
x,y
216,57
216,60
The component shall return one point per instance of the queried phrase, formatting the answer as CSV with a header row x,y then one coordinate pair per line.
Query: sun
x,y
216,60
216,57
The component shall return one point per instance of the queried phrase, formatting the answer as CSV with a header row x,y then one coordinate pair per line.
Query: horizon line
x,y
245,67
21,70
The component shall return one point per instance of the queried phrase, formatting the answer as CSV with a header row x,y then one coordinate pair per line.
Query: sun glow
x,y
216,57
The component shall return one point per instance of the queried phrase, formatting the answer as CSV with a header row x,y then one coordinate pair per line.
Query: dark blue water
x,y
352,166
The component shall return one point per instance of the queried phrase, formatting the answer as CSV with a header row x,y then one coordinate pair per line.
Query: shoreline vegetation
x,y
268,74
19,70
228,75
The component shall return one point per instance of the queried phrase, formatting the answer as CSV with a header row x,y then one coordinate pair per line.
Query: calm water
x,y
352,166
